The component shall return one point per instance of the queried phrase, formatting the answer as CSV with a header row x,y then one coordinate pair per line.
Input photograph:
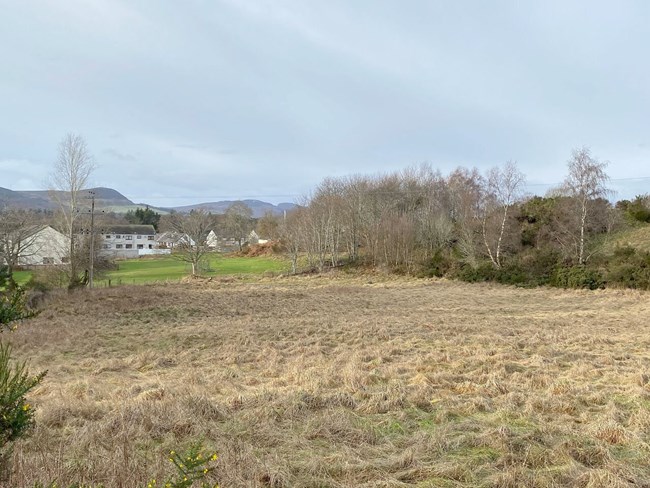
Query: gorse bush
x,y
581,276
12,308
192,467
16,414
625,268
438,265
638,209
629,268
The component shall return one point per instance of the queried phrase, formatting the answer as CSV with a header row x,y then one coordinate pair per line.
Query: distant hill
x,y
111,200
21,199
42,199
258,207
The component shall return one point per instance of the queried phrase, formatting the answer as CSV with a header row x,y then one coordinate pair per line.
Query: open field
x,y
319,382
166,268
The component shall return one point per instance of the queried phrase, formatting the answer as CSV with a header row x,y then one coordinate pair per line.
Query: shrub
x,y
16,414
629,268
577,277
12,307
509,274
191,466
438,265
539,265
638,209
48,278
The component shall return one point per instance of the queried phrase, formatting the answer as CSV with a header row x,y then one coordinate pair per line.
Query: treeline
x,y
472,226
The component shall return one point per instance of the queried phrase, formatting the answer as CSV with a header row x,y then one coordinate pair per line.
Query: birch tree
x,y
503,187
584,185
70,176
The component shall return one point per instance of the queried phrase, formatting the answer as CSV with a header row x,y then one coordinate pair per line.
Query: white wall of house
x,y
49,247
212,240
127,245
128,241
153,252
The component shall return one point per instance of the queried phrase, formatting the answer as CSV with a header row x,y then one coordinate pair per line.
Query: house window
x,y
118,236
108,236
128,238
48,260
150,238
106,246
140,246
139,237
118,246
129,246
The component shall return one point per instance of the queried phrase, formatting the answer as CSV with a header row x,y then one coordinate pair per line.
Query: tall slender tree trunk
x,y
487,244
501,231
583,220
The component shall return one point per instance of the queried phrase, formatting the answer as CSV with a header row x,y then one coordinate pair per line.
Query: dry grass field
x,y
320,382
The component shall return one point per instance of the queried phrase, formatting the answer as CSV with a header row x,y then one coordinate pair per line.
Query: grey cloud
x,y
119,155
270,97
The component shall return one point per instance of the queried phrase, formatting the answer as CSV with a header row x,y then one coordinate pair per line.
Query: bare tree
x,y
502,188
238,222
72,169
464,188
268,226
434,225
292,234
193,229
584,185
18,238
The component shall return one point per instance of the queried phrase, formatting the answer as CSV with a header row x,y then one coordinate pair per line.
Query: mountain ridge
x,y
113,200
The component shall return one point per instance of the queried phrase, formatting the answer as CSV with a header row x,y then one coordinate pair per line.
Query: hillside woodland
x,y
477,227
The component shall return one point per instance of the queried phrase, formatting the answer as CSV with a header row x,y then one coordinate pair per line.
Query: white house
x,y
128,241
212,241
47,246
170,240
253,238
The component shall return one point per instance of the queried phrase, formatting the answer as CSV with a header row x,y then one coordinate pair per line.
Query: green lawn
x,y
22,277
168,268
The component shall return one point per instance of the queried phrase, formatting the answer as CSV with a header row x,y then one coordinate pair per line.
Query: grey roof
x,y
171,237
146,230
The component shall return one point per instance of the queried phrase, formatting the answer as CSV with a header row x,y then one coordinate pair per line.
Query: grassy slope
x,y
637,237
311,382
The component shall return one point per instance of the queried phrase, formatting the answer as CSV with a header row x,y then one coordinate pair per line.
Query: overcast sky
x,y
183,102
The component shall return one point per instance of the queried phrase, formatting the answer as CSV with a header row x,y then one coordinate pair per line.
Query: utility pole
x,y
92,239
